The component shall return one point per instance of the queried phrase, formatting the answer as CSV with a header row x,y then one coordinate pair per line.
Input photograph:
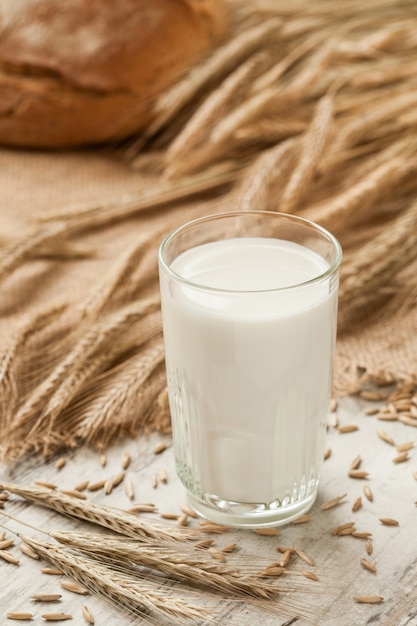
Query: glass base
x,y
244,515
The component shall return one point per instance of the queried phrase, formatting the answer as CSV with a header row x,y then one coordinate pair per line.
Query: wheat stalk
x,y
313,147
97,336
107,517
132,592
184,564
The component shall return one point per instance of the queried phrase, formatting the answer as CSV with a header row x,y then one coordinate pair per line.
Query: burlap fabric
x,y
81,352
35,185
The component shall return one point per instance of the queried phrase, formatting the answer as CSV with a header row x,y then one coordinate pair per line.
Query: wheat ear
x,y
184,565
133,592
313,146
107,517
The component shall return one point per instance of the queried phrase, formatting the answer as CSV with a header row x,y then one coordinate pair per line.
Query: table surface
x,y
341,576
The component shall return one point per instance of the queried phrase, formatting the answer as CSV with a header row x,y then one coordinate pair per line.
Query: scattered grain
x,y
327,454
103,460
10,558
285,558
20,616
385,437
267,532
81,486
368,599
143,508
301,520
309,575
204,543
361,534
6,543
388,417
372,395
342,527
304,556
97,485
332,502
46,597
369,547
401,458
347,428
368,493
405,447
56,617
28,551
189,511
359,474
118,478
163,476
368,565
210,527
357,504
273,570
128,485
372,410
108,486
388,521
408,421
154,481
74,494
231,547
182,520
60,463
172,516
42,483
87,614
70,585
51,571
126,460
356,463
216,554
160,447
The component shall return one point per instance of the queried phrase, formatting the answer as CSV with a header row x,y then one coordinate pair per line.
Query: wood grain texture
x,y
341,577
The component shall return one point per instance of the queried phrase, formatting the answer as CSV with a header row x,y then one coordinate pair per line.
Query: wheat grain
x,y
87,614
360,474
46,597
330,504
56,617
10,558
20,616
357,504
370,599
368,493
400,458
366,564
385,437
389,521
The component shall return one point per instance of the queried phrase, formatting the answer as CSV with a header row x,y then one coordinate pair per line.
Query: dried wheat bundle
x,y
304,109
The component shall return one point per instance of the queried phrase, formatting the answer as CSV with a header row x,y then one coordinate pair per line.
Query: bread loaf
x,y
87,71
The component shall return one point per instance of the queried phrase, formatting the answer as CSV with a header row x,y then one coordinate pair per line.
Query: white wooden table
x,y
325,602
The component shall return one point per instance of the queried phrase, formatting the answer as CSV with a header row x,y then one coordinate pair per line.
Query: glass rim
x,y
215,216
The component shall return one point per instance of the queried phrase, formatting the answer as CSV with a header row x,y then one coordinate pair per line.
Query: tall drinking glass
x,y
249,305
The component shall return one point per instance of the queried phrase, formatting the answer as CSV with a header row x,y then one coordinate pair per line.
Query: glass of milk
x,y
249,305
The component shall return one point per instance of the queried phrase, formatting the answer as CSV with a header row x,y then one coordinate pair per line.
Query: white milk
x,y
249,369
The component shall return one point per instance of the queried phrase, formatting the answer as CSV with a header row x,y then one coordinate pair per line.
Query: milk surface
x,y
249,358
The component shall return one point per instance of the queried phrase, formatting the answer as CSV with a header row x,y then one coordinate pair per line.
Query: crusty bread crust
x,y
87,71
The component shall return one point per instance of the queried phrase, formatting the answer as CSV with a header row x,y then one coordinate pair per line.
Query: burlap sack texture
x,y
334,139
